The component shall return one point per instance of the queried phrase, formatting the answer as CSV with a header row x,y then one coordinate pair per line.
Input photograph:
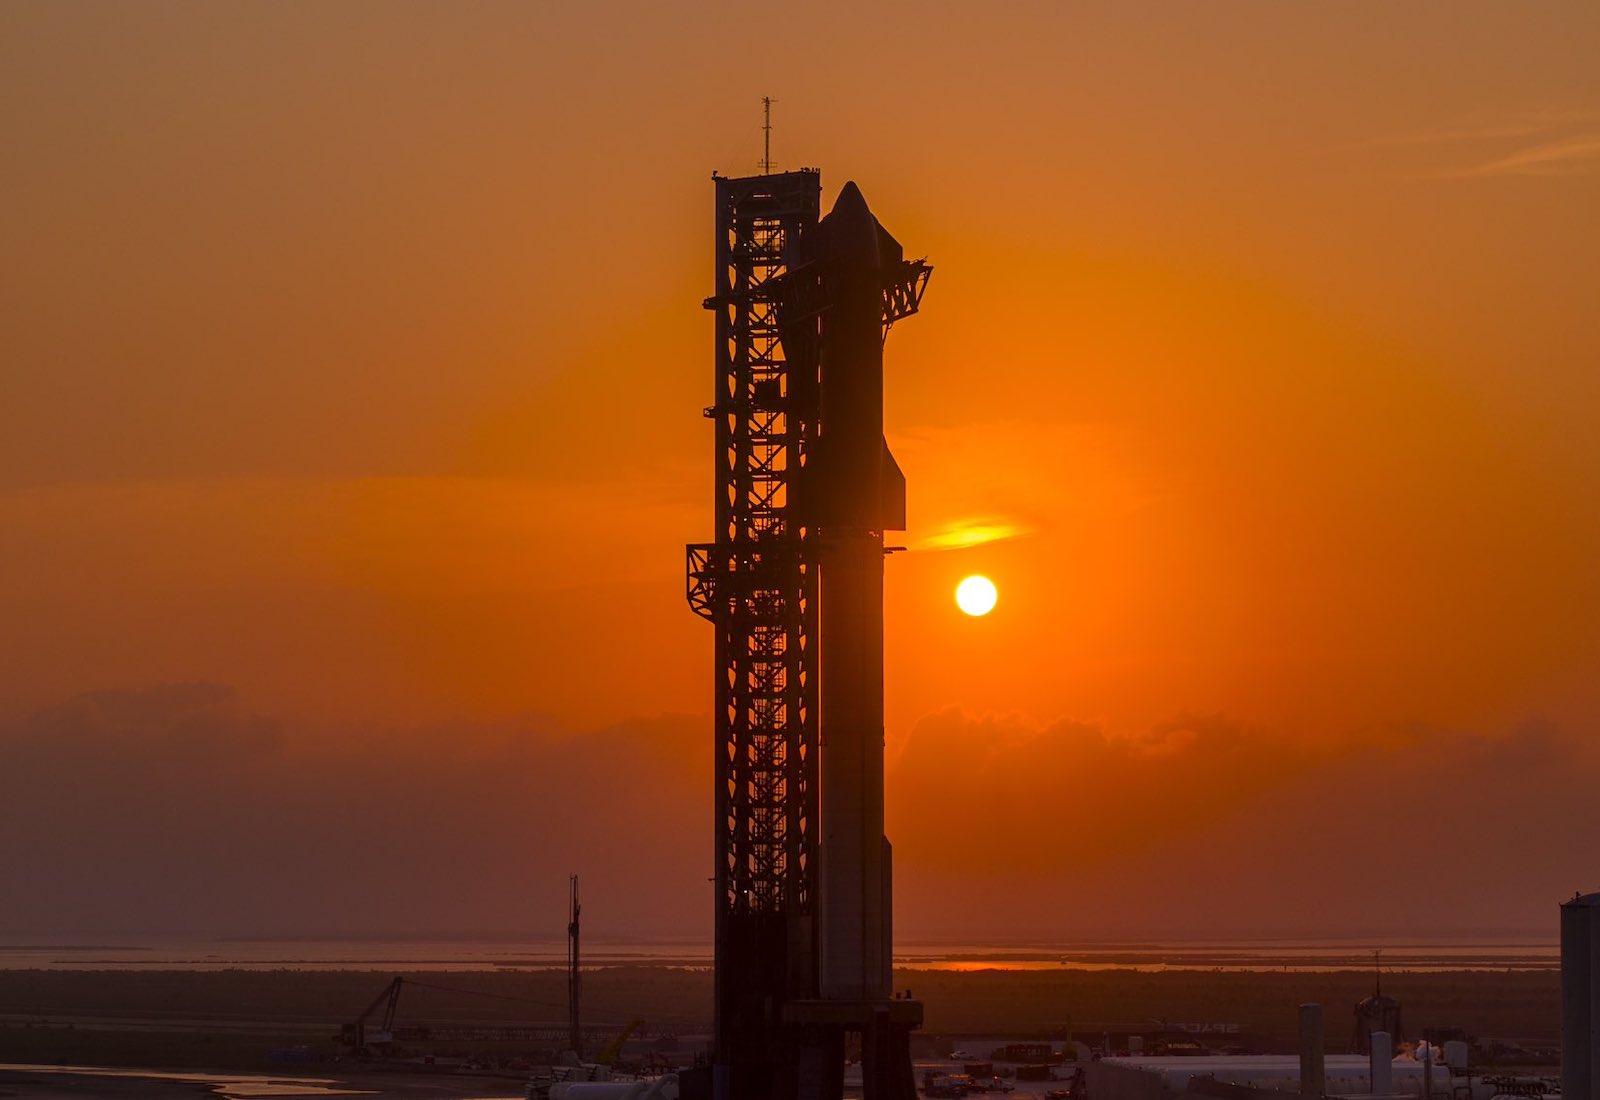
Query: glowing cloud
x,y
960,534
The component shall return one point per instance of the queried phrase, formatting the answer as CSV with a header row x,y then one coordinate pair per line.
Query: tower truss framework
x,y
757,584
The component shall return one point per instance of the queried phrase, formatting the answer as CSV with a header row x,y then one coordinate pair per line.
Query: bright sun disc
x,y
976,595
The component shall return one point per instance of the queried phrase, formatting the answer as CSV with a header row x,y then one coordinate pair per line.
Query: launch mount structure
x,y
789,368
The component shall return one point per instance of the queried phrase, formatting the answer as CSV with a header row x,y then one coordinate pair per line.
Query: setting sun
x,y
976,595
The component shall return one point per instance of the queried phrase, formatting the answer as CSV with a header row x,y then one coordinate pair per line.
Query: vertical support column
x,y
1313,1074
1580,998
574,973
1380,1064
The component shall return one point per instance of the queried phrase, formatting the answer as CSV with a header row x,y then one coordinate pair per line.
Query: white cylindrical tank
x,y
1381,1063
1580,997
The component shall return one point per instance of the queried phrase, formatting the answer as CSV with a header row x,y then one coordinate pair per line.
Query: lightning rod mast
x,y
766,135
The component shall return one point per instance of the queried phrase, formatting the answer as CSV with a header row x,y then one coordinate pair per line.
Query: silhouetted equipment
x,y
360,1035
1375,1013
574,974
370,1038
804,489
613,1050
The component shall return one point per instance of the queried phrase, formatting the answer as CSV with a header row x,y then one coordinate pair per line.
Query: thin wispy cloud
x,y
1499,127
1578,155
1540,142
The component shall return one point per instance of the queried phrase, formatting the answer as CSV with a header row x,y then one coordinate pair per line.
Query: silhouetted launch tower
x,y
804,489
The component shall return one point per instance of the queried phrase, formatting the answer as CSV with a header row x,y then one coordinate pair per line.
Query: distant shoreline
x,y
1283,955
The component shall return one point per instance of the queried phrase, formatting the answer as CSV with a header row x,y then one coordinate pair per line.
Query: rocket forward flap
x,y
821,500
891,493
890,254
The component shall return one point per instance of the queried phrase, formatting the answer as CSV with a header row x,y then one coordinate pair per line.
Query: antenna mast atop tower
x,y
766,135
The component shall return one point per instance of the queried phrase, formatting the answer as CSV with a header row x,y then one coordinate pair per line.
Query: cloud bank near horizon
x,y
178,809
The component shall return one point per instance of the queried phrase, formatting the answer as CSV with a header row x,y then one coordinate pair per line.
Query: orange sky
x,y
354,362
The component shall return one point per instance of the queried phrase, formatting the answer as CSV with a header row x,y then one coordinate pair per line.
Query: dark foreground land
x,y
285,1021
39,1083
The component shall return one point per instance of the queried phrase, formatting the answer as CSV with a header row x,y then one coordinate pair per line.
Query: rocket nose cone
x,y
851,228
850,199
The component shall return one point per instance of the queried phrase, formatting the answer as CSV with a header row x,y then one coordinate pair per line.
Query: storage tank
x,y
1377,1012
1380,1062
1580,997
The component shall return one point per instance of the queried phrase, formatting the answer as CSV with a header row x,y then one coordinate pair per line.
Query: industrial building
x,y
1580,997
1238,1077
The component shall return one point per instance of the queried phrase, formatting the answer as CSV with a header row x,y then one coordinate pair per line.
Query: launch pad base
x,y
885,1029
853,1015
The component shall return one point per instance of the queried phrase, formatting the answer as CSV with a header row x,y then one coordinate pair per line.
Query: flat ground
x,y
235,1020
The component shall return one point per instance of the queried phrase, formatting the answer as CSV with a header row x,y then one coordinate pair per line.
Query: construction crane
x,y
359,1036
613,1050
374,1033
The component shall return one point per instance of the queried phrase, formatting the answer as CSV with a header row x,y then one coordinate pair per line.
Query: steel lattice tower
x,y
758,586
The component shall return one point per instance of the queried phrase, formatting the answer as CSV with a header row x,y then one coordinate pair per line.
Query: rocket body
x,y
856,492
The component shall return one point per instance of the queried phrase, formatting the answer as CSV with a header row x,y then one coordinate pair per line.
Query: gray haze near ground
x,y
180,809
175,809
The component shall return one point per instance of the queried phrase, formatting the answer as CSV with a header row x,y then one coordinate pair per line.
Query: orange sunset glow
x,y
352,434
